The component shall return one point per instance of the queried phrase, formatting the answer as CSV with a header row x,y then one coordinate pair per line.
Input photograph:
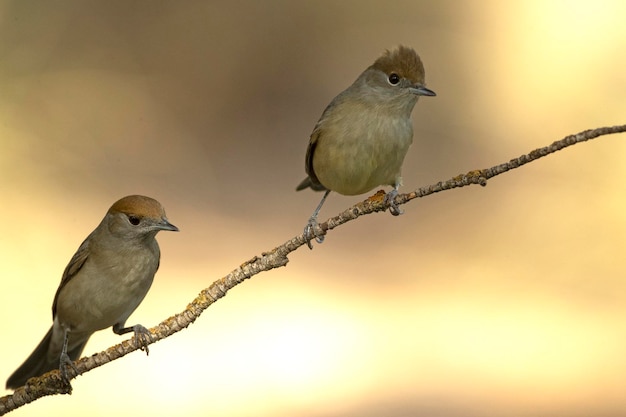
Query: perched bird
x,y
105,281
363,135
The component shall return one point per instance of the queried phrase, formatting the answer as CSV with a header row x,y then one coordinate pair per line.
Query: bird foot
x,y
64,363
390,200
142,338
308,232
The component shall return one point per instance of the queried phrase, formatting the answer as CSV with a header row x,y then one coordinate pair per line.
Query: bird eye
x,y
394,78
134,220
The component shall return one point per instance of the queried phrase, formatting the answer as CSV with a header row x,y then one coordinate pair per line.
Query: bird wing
x,y
312,182
72,268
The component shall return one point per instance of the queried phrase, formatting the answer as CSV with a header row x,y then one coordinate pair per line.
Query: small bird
x,y
363,135
105,281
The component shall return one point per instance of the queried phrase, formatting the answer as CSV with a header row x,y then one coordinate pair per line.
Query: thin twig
x,y
50,383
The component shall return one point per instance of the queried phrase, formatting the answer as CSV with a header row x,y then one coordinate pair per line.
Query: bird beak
x,y
165,225
420,90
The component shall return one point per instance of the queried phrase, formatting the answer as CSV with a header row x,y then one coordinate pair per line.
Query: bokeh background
x,y
508,300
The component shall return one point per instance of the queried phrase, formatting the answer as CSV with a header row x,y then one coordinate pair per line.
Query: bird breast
x,y
103,293
354,158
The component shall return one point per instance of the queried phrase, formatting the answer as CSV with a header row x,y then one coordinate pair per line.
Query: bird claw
x,y
142,338
390,198
64,363
308,232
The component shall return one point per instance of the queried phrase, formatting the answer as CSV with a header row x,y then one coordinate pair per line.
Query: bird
x,y
363,135
104,282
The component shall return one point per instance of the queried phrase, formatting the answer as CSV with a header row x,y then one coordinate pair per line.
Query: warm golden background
x,y
503,301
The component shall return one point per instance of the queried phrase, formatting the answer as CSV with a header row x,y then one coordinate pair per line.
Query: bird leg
x,y
65,361
142,335
312,223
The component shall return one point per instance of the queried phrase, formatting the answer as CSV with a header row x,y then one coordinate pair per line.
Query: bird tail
x,y
308,183
40,361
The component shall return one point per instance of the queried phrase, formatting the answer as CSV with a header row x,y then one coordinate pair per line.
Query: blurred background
x,y
508,300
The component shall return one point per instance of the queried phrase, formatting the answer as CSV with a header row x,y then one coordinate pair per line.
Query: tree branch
x,y
50,383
